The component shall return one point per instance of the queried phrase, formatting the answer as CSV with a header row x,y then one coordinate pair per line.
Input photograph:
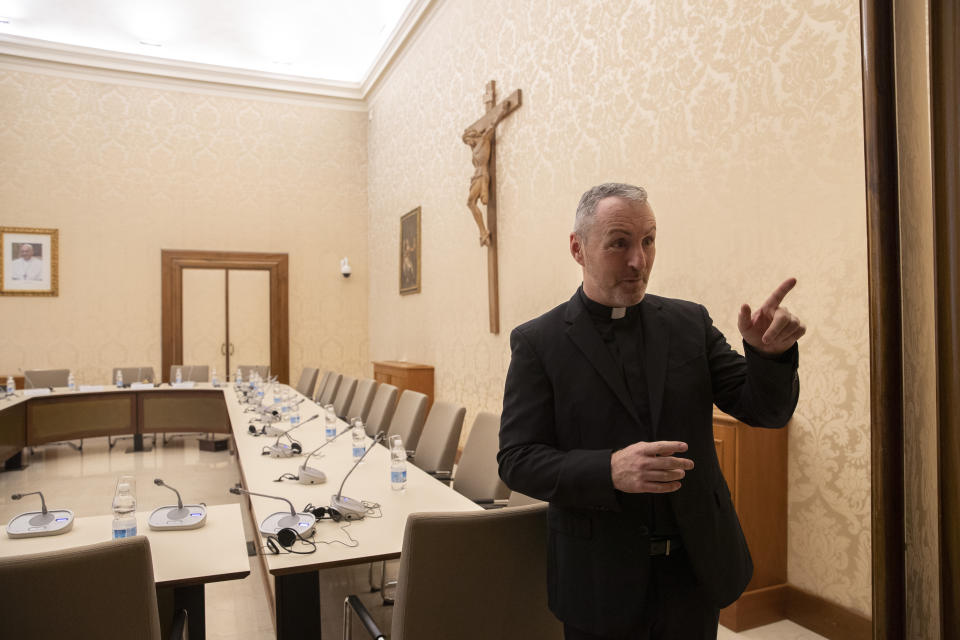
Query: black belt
x,y
665,546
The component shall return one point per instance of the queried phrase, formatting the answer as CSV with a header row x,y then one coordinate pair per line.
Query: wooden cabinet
x,y
754,464
406,375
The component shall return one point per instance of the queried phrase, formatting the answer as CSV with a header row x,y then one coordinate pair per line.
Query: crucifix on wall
x,y
481,137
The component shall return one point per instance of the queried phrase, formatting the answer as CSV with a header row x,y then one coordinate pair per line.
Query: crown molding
x,y
207,74
50,57
410,22
137,79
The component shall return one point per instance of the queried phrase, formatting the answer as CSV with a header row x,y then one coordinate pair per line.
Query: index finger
x,y
779,294
666,448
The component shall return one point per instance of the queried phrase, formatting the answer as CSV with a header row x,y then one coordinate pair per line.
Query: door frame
x,y
172,264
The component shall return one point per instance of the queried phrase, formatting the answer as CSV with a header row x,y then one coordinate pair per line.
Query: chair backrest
x,y
474,576
362,399
518,499
348,386
133,374
381,410
97,591
190,372
407,421
477,476
37,378
308,378
440,437
262,369
330,391
321,385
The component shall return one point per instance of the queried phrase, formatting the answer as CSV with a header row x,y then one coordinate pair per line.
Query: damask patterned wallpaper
x,y
742,119
124,171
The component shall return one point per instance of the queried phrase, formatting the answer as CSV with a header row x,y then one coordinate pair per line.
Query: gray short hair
x,y
589,201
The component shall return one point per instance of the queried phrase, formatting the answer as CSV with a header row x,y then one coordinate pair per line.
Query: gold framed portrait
x,y
410,252
29,262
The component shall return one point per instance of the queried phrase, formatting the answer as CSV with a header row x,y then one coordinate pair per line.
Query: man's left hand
x,y
771,329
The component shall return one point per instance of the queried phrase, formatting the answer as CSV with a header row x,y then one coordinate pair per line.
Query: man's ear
x,y
576,248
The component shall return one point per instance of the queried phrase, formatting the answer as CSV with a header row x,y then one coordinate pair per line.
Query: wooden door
x,y
204,319
173,266
248,318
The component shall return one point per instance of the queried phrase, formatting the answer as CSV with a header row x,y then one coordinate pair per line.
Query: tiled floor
x,y
238,609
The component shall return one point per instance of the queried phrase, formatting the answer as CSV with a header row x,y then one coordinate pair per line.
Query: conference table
x,y
183,561
62,414
296,582
37,416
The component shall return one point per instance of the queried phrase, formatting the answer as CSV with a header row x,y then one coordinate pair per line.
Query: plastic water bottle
x,y
71,382
178,378
330,423
214,380
119,379
11,386
294,415
125,508
359,436
238,378
398,464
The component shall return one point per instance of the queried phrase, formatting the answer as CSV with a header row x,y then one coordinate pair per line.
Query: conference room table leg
x,y
298,605
14,463
191,598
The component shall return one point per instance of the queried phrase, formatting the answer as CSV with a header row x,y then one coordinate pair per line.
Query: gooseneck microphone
x,y
350,508
45,516
287,432
180,510
309,475
46,522
300,522
278,450
190,516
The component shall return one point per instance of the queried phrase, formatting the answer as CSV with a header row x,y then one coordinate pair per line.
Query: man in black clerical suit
x,y
607,415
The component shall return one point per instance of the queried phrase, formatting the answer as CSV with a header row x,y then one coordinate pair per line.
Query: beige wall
x,y
919,321
743,120
125,170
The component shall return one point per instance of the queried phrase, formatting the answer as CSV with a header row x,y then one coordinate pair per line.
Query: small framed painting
x,y
29,262
410,252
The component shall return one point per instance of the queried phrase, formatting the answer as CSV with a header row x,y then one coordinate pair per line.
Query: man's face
x,y
617,252
26,251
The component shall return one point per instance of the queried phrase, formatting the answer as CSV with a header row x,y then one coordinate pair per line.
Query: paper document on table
x,y
40,391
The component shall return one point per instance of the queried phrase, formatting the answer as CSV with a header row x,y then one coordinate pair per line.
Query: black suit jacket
x,y
566,408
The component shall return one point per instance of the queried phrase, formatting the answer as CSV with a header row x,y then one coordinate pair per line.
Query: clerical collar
x,y
603,312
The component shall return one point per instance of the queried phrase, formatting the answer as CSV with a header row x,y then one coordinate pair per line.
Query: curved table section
x,y
30,420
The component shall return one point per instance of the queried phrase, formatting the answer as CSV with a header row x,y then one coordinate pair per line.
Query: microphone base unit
x,y
309,475
302,523
282,451
350,508
172,518
35,523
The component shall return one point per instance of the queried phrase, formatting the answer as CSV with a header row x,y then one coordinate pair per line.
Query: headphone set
x,y
328,513
286,538
282,450
264,430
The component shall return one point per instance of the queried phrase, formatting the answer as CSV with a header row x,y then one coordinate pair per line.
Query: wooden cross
x,y
481,137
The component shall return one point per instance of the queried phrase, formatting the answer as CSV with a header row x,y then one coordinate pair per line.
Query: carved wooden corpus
x,y
481,138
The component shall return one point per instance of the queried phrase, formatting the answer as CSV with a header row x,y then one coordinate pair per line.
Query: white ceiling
x,y
339,42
